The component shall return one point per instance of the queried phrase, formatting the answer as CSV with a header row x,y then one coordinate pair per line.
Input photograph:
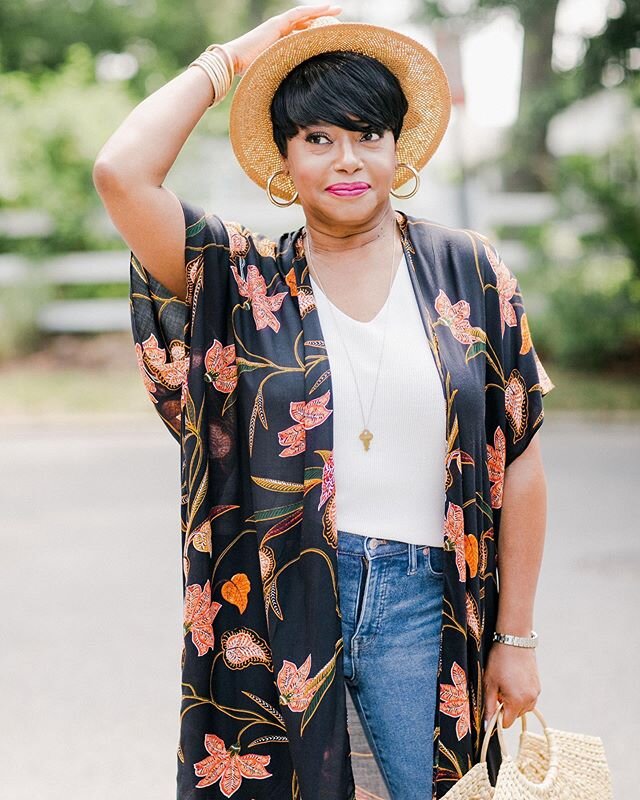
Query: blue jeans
x,y
391,604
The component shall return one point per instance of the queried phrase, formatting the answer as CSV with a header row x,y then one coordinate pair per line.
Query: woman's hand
x,y
511,676
247,48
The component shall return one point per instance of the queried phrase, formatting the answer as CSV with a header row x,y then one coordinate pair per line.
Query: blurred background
x,y
542,155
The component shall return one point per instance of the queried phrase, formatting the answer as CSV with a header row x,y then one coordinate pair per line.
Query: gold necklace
x,y
365,435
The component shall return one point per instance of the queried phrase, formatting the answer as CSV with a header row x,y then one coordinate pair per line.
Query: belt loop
x,y
413,559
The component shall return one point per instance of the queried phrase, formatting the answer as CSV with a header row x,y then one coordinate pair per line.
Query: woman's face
x,y
321,158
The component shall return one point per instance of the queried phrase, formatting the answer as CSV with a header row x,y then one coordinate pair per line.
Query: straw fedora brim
x,y
419,72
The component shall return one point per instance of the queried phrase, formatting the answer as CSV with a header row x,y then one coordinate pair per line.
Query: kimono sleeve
x,y
519,369
162,324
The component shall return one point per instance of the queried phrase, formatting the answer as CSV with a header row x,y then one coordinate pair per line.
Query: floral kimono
x,y
240,376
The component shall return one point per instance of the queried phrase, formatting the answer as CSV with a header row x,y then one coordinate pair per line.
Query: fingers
x,y
512,678
509,714
516,707
490,704
302,12
512,707
301,17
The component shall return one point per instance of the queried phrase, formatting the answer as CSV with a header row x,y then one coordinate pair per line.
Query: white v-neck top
x,y
395,490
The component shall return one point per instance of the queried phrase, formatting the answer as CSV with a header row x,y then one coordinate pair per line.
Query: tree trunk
x,y
529,164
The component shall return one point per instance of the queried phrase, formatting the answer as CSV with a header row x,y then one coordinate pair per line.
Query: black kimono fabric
x,y
240,376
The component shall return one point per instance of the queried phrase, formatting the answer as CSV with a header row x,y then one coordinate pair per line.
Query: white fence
x,y
90,315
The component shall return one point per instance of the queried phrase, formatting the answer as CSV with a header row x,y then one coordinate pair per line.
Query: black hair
x,y
351,90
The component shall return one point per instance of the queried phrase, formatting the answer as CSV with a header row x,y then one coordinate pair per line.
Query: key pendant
x,y
365,437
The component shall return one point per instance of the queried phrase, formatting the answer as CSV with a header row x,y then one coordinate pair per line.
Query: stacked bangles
x,y
220,70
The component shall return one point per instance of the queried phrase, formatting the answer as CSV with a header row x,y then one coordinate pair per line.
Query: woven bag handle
x,y
496,720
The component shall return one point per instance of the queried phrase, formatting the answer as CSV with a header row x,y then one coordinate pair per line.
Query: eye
x,y
372,133
312,136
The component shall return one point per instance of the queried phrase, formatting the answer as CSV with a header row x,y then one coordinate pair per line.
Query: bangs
x,y
342,88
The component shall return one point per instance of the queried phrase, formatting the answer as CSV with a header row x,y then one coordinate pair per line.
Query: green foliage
x,y
57,113
609,185
592,315
526,164
594,302
592,319
529,235
475,10
52,130
585,263
19,307
611,46
162,35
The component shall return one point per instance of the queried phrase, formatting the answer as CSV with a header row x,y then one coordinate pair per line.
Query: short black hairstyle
x,y
340,87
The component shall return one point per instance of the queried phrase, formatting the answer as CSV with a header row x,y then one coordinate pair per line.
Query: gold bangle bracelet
x,y
228,58
212,80
218,69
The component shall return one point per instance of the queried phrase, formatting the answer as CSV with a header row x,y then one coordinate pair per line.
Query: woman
x,y
356,405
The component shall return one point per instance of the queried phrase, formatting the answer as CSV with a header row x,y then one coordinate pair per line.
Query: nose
x,y
347,159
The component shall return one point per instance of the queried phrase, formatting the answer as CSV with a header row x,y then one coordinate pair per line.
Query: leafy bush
x,y
592,274
52,129
19,308
592,318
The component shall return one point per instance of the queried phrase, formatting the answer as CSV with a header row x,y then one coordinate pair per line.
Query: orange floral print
x,y
149,385
473,617
307,415
290,280
193,270
184,395
454,700
238,242
267,562
506,285
328,497
516,403
220,364
243,647
527,344
471,554
236,590
328,481
487,536
454,537
266,247
228,766
199,613
262,304
546,384
495,464
295,689
170,369
456,318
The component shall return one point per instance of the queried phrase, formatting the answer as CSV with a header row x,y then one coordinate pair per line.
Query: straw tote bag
x,y
554,766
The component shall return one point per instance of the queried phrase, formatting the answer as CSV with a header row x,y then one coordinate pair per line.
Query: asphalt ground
x,y
91,627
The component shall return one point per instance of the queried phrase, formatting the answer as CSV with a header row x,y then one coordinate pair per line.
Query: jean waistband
x,y
357,544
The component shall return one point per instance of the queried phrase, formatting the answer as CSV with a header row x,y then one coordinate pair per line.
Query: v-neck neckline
x,y
299,247
374,320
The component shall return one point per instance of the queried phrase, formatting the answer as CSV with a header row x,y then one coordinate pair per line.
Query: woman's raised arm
x,y
133,163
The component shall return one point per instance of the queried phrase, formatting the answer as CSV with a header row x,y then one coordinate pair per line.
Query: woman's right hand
x,y
249,46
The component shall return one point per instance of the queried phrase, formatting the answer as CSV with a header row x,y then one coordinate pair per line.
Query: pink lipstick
x,y
348,189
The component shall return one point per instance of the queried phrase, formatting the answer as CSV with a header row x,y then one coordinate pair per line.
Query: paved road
x,y
90,591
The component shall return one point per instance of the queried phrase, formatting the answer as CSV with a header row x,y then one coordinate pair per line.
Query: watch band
x,y
516,641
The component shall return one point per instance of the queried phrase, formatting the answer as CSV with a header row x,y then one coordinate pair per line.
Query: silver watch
x,y
517,641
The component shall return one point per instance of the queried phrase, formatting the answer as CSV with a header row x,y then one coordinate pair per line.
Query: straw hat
x,y
419,72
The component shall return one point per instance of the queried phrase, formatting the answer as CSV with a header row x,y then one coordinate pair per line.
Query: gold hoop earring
x,y
416,187
271,197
